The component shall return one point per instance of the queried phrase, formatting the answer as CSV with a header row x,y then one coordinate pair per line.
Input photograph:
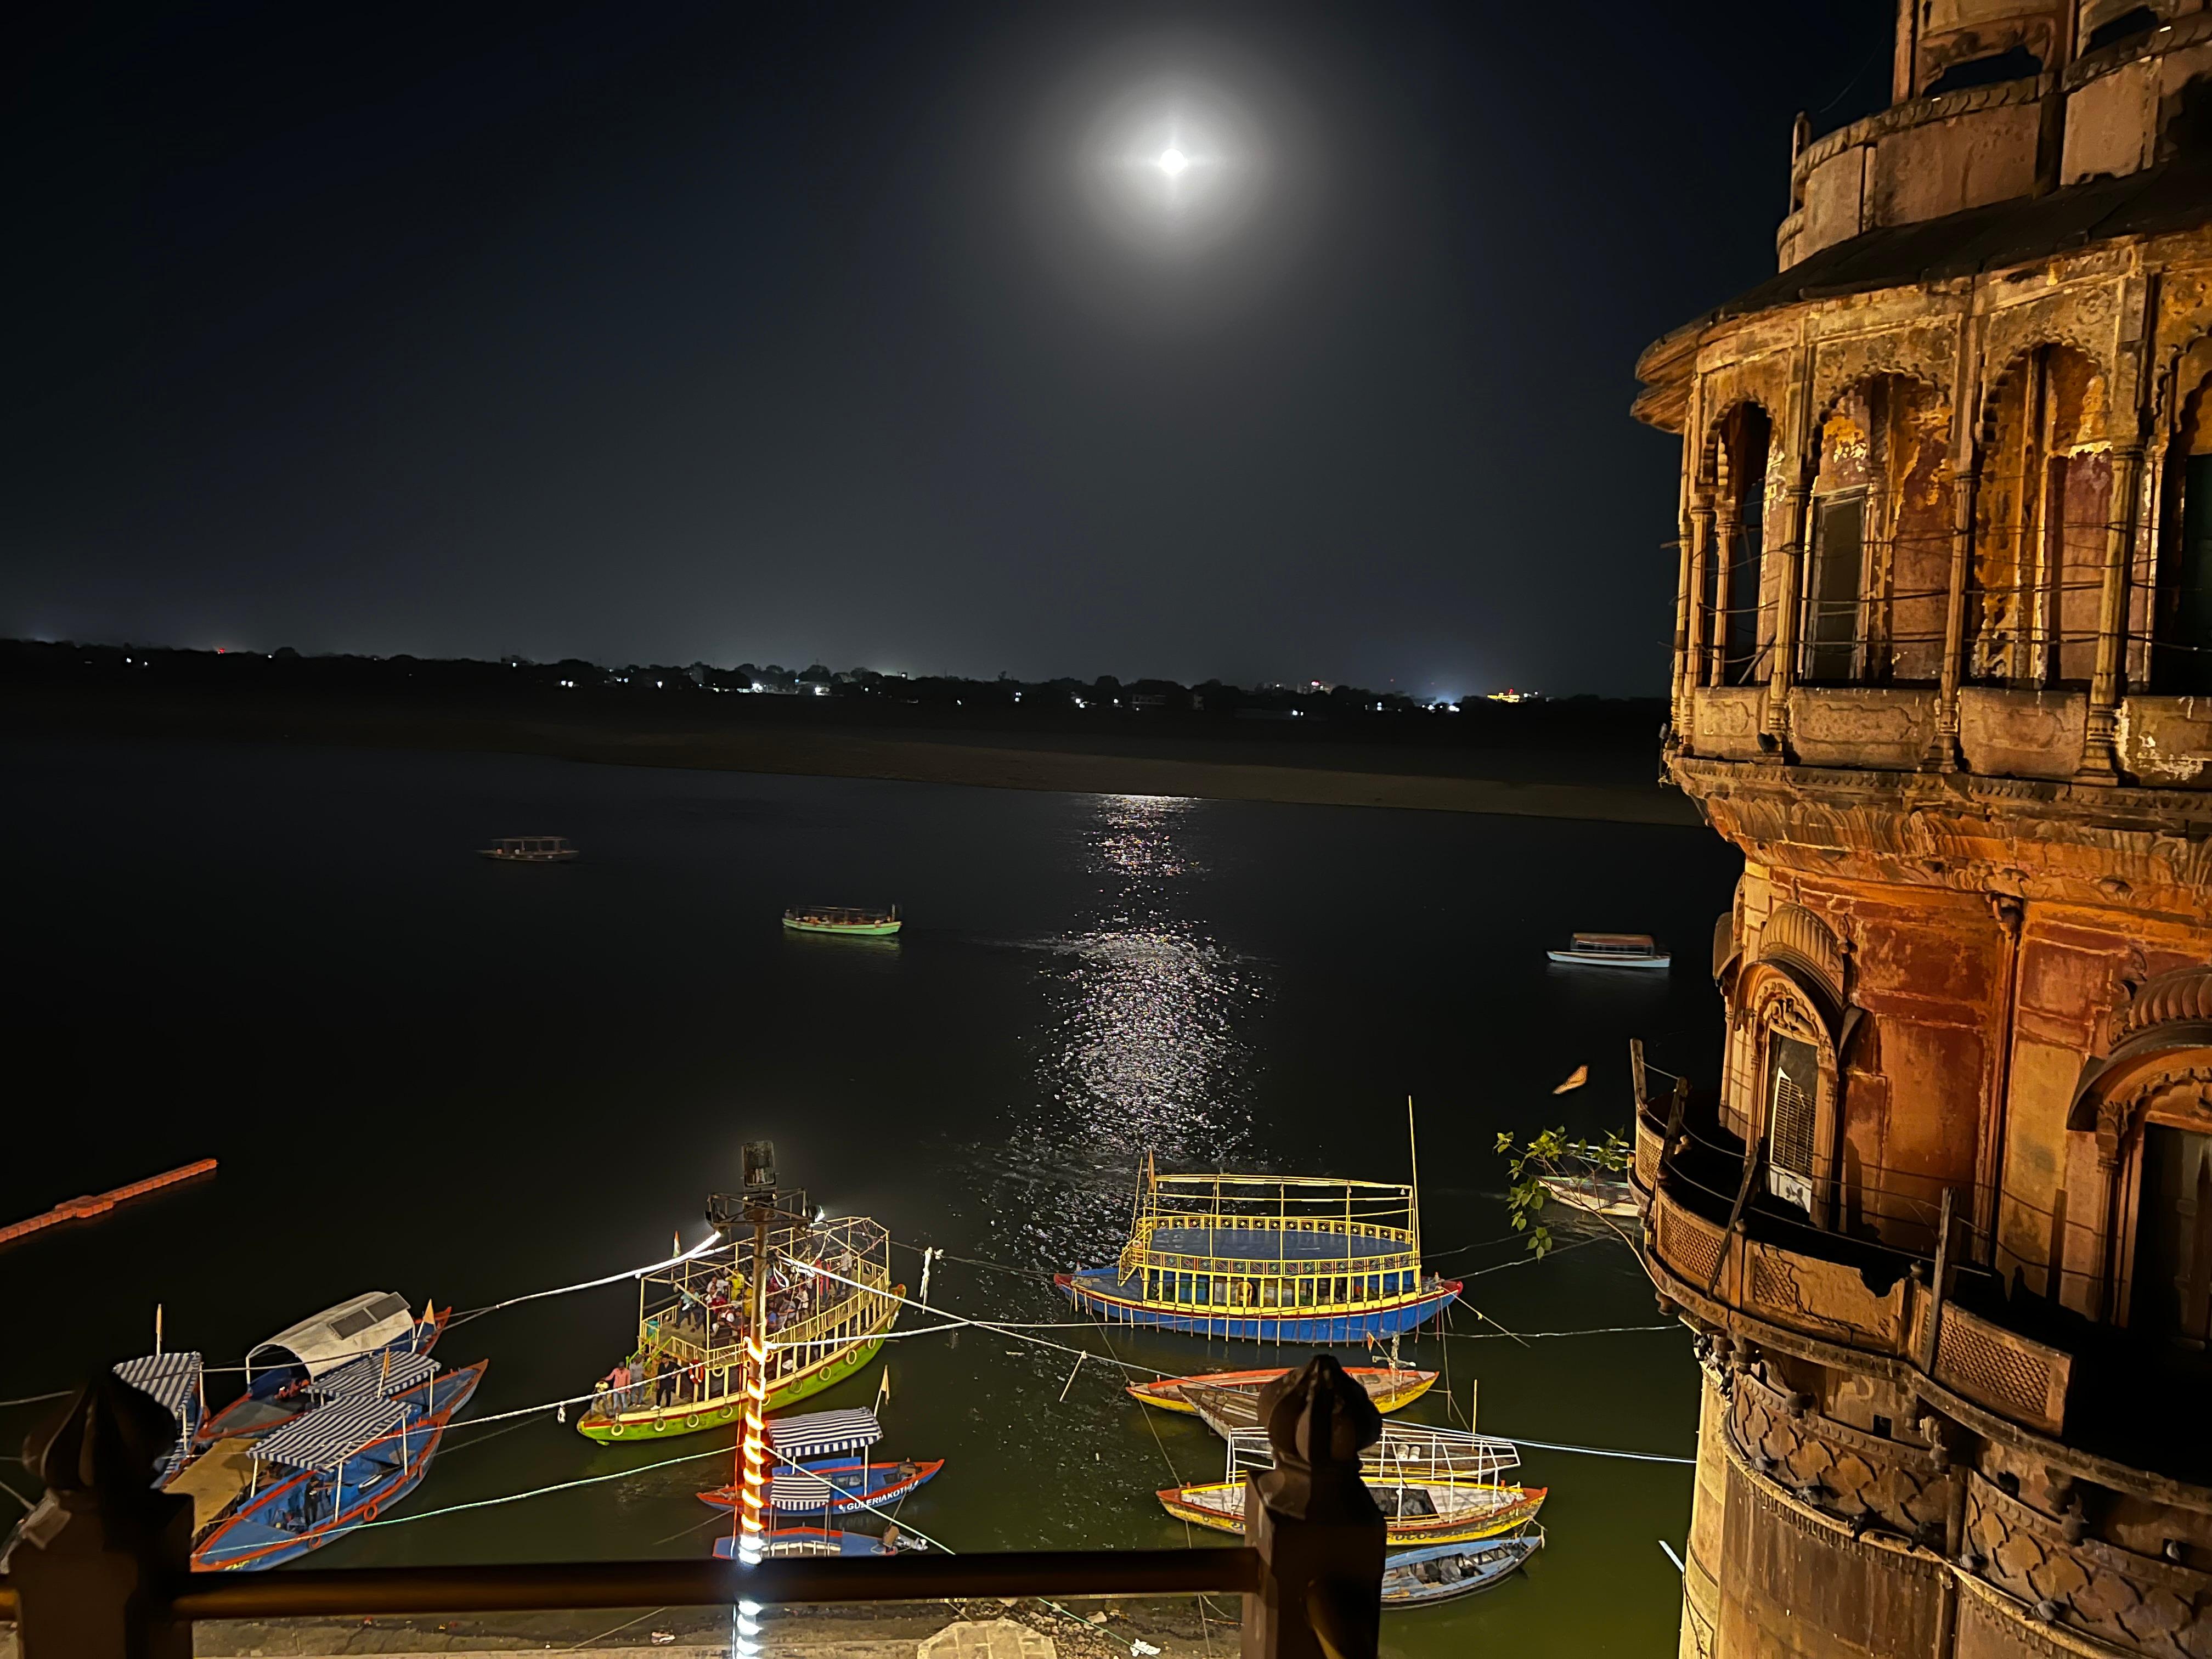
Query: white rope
x,y
1598,1451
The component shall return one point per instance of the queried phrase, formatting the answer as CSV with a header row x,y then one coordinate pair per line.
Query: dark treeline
x,y
817,692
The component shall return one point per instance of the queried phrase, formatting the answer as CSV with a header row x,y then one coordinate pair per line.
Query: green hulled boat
x,y
831,1300
854,922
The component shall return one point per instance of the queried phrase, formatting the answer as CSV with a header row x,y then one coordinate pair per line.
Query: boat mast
x,y
1413,1154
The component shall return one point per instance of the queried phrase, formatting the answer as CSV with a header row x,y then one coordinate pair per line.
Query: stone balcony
x,y
1842,1301
2165,742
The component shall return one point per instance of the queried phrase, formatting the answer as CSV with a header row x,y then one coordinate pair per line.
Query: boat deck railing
x,y
109,1577
1138,1252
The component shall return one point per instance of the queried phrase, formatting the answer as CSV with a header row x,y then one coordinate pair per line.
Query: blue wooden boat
x,y
1443,1572
281,1372
365,1444
1289,1259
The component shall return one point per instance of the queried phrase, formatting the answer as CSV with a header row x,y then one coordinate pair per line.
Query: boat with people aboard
x,y
1443,1572
1218,1394
819,1464
1267,1258
830,1300
852,921
281,1371
1596,1194
360,1438
1433,1486
531,850
1611,951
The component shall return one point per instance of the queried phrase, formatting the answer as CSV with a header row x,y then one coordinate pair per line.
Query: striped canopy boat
x,y
1289,1259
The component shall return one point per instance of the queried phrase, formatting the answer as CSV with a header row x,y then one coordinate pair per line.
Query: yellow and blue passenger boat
x,y
1289,1259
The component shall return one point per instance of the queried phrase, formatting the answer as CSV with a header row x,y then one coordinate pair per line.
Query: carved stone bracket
x,y
2136,1602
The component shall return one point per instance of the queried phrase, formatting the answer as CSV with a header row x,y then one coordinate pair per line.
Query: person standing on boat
x,y
664,1382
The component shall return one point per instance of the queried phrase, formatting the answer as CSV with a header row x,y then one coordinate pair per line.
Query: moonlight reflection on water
x,y
1144,1045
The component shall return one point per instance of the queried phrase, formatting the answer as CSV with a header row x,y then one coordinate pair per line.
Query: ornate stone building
x,y
1943,672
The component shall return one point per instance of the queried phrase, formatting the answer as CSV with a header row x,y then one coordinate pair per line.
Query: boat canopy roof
x,y
172,1379
325,1340
815,1434
325,1437
1613,941
377,1373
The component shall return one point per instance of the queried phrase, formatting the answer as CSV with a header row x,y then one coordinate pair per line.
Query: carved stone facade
x,y
1943,673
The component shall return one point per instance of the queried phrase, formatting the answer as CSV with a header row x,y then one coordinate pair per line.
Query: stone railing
x,y
1828,1299
2012,1376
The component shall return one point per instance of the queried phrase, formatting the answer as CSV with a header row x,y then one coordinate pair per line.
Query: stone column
x,y
92,1564
1697,620
1782,669
2100,753
1316,1527
1943,749
1684,604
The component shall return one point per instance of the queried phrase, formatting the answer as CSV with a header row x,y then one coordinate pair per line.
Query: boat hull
x,y
1096,1293
240,1544
845,930
1480,1567
1220,1504
879,1483
1389,1389
655,1422
1598,959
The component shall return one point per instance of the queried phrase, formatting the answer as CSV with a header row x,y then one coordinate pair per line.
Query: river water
x,y
428,1072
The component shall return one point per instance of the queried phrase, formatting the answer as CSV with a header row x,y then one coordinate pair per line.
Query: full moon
x,y
1172,162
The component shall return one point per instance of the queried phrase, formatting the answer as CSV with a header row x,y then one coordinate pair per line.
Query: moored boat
x,y
830,1301
1206,1393
360,1439
818,1463
1440,1511
1597,1195
281,1372
1611,951
854,921
531,850
813,1540
1442,1572
1291,1259
1433,1486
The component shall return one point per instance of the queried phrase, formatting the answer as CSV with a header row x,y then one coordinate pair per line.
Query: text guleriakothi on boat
x,y
830,1301
1267,1258
342,1415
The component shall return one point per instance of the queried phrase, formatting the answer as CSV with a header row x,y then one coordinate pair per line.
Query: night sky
x,y
874,336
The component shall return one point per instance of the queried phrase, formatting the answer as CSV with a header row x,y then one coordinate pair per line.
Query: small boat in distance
x,y
1413,1578
1611,951
1388,1389
531,850
857,922
1598,1194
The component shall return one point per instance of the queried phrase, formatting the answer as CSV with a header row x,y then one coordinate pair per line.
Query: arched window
x,y
2040,522
1735,575
2181,629
1878,577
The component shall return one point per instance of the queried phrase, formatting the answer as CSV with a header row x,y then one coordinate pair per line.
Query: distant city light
x,y
1509,694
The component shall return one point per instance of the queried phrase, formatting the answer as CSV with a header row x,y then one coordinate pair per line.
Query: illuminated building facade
x,y
1943,671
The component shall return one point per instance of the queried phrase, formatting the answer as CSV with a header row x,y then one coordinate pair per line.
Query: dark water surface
x,y
427,1072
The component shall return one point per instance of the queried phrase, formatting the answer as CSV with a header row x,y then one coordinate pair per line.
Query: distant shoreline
x,y
1133,765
